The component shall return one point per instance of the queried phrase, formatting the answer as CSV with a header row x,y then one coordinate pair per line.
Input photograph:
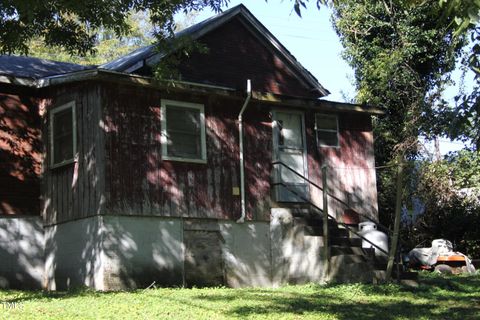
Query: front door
x,y
290,149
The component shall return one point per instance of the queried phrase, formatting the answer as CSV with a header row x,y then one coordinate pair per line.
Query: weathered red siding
x,y
139,182
350,167
21,150
234,55
76,190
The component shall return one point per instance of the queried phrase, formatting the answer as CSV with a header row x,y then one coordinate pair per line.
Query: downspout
x,y
242,161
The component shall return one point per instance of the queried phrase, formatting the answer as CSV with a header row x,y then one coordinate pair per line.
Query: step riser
x,y
347,255
339,250
347,242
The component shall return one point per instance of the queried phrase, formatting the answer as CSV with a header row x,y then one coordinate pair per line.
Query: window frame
x,y
165,103
337,131
53,112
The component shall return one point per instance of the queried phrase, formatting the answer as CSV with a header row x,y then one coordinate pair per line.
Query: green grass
x,y
436,298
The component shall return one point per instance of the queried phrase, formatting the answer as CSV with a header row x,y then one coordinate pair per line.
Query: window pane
x,y
63,122
184,145
63,149
326,122
327,138
290,130
184,132
62,136
183,119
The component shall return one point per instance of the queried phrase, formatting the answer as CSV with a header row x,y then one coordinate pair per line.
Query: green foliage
x,y
176,52
463,120
74,25
402,58
450,192
433,299
107,46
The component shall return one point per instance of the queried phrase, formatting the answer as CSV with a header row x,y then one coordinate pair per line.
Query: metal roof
x,y
34,68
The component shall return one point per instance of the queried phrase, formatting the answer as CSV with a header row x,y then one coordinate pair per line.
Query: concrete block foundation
x,y
128,252
21,252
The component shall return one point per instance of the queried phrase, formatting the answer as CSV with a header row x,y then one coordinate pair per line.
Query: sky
x,y
314,43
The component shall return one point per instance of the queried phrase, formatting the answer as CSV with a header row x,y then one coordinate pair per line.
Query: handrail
x,y
389,232
330,216
384,228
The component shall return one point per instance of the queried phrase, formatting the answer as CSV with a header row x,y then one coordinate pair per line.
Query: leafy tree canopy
x,y
402,59
107,45
73,25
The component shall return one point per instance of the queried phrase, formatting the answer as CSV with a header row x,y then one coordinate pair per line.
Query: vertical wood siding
x,y
76,190
351,173
234,54
139,182
121,170
21,150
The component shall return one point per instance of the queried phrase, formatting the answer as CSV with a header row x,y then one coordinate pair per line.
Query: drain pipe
x,y
242,161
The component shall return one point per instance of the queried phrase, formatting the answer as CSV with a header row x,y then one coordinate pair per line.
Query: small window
x,y
183,131
326,127
63,146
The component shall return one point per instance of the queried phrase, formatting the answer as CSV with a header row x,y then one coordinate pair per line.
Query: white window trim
x,y
164,135
54,111
337,131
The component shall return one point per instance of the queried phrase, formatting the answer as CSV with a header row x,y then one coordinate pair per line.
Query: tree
x,y
464,117
107,45
74,25
402,58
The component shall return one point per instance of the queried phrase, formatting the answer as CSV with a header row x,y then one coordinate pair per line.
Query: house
x,y
111,179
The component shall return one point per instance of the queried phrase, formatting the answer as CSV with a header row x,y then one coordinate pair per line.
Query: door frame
x,y
275,156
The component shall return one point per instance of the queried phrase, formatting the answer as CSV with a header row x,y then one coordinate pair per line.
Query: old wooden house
x,y
111,179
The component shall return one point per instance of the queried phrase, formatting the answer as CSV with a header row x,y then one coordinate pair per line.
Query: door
x,y
290,148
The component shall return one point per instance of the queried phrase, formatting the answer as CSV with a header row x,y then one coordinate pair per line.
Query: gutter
x,y
242,160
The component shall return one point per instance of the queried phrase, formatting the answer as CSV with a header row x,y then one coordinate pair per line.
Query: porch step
x,y
336,250
346,242
313,221
314,227
318,231
348,258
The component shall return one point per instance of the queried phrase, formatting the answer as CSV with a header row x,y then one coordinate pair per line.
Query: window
x,y
183,131
63,146
326,127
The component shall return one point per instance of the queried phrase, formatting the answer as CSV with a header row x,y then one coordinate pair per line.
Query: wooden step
x,y
346,242
304,221
339,250
348,258
339,233
318,231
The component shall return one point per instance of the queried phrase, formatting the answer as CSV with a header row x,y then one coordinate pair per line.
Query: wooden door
x,y
290,149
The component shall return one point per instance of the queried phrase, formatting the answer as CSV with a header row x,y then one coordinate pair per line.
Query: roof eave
x,y
114,76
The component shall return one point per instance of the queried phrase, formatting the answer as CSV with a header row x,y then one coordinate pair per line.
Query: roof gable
x,y
238,20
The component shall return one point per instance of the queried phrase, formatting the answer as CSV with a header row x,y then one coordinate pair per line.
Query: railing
x,y
327,216
310,182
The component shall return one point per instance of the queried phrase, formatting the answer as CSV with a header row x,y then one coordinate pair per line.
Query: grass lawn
x,y
436,298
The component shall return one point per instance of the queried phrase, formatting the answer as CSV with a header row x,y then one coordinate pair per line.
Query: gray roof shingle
x,y
34,68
